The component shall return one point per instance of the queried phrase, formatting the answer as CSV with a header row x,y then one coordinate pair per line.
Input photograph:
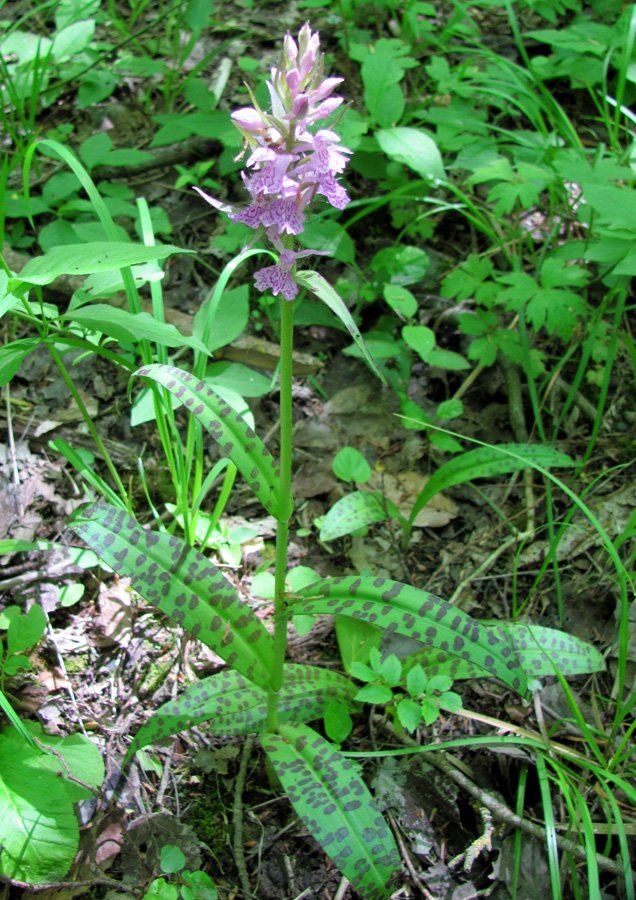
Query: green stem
x,y
282,531
90,424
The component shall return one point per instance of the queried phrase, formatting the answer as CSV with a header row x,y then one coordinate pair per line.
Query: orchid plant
x,y
289,164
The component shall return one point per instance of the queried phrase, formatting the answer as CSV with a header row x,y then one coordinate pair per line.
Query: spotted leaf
x,y
538,649
351,512
484,463
229,429
416,614
182,583
232,705
336,806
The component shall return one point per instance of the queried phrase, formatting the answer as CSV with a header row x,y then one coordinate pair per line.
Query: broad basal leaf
x,y
85,259
336,806
182,583
351,512
38,827
485,462
126,326
232,705
540,649
416,614
415,148
237,440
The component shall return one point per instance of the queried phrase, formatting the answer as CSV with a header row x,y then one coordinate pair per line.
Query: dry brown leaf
x,y
404,489
113,624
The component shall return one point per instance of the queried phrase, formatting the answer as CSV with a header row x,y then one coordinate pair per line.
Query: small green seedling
x,y
184,884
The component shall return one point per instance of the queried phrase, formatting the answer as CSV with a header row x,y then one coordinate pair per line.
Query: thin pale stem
x,y
282,532
89,424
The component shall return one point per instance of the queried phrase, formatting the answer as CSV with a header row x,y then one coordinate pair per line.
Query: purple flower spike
x,y
288,164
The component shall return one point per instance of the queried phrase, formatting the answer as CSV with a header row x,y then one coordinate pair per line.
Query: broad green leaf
x,y
486,462
355,640
336,806
330,237
10,612
12,356
230,319
160,890
447,359
416,614
350,465
236,439
71,40
351,512
172,859
83,759
131,327
416,681
245,381
323,290
413,147
419,338
85,259
451,701
232,705
400,299
374,693
26,630
39,828
450,409
391,669
430,710
182,583
409,713
338,722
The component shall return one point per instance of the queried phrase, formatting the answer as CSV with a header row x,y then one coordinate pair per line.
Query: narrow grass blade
x,y
246,450
323,290
484,462
548,815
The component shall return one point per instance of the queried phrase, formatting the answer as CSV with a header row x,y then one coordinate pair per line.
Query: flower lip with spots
x,y
289,165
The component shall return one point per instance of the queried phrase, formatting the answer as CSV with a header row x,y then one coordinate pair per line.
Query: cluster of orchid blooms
x,y
290,164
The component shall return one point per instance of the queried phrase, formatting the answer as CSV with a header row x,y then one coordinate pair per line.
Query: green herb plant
x,y
259,692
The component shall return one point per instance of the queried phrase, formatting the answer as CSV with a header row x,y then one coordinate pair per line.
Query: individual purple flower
x,y
278,279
